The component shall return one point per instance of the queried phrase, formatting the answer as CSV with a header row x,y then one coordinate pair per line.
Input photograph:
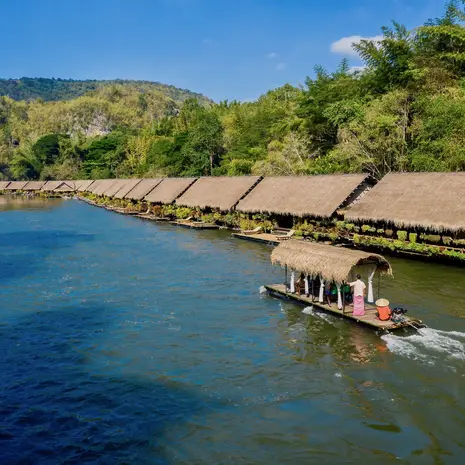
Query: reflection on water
x,y
27,202
125,341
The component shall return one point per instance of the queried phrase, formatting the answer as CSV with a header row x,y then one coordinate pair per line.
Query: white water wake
x,y
431,346
321,315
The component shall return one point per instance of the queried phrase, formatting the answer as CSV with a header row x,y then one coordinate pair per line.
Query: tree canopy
x,y
403,111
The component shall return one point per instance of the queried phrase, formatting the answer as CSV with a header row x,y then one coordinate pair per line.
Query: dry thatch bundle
x,y
217,192
84,185
425,200
329,262
318,196
128,187
143,188
16,185
34,186
169,190
3,185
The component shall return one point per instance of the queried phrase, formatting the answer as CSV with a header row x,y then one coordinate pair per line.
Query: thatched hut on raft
x,y
329,264
287,197
57,186
4,185
16,186
414,201
85,185
143,188
217,193
125,188
34,186
169,190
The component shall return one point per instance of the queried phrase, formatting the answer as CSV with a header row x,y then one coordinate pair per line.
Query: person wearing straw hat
x,y
359,296
384,312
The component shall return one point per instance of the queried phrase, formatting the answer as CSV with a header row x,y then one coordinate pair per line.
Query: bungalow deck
x,y
264,238
194,225
369,319
152,217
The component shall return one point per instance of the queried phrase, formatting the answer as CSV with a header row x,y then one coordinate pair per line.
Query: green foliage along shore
x,y
404,111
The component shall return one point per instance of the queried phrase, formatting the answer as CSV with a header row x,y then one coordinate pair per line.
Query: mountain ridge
x,y
56,89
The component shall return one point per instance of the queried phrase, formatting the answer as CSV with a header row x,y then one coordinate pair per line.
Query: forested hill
x,y
67,89
403,111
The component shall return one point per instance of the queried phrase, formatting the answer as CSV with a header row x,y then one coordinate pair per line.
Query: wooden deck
x,y
264,238
194,225
369,319
152,217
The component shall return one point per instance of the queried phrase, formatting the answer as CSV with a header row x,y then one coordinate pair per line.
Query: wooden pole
x,y
313,289
343,298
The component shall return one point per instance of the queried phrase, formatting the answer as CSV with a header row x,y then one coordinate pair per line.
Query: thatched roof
x,y
115,187
128,187
329,262
16,185
3,185
65,186
318,196
34,186
104,185
50,186
74,185
426,200
84,185
143,188
169,190
95,185
217,192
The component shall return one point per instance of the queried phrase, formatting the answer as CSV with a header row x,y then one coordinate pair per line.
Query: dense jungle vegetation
x,y
404,111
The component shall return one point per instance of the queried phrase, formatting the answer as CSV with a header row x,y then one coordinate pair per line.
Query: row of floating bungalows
x,y
414,201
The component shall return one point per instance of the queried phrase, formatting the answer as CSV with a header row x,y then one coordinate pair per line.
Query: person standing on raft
x,y
359,296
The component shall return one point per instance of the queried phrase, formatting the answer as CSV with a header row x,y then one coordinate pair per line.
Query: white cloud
x,y
280,66
271,55
356,69
344,45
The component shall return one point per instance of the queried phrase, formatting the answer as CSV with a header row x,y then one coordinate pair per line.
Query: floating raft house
x,y
4,185
322,263
414,200
303,196
169,190
84,185
143,188
126,188
34,186
222,193
16,186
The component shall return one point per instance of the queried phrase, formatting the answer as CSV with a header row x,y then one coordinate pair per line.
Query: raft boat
x,y
317,264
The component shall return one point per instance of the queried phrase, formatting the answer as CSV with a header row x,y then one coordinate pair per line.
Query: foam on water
x,y
430,345
320,315
262,290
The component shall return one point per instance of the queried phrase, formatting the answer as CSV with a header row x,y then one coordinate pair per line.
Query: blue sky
x,y
235,49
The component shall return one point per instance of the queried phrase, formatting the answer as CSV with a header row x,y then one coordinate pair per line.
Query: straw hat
x,y
382,303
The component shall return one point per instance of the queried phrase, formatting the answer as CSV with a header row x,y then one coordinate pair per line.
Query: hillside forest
x,y
403,111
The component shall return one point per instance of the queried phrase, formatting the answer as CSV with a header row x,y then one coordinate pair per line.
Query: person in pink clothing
x,y
359,290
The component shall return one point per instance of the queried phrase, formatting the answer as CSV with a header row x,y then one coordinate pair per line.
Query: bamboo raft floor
x,y
369,319
194,225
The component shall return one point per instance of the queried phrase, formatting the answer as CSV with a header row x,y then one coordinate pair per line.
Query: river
x,y
127,341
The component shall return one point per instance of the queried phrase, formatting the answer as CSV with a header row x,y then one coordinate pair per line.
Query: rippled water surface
x,y
125,341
